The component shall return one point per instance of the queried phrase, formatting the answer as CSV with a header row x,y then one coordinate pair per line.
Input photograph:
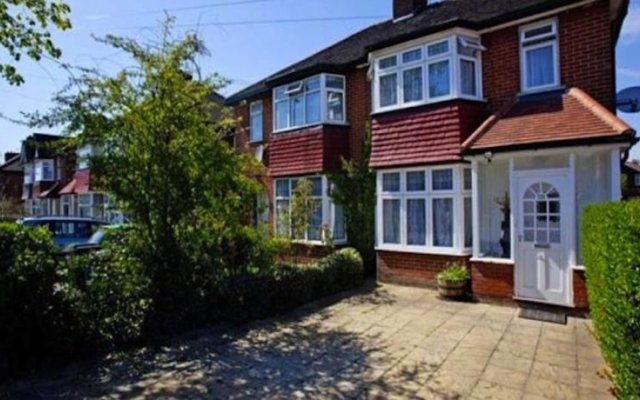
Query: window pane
x,y
339,231
543,30
280,93
412,84
282,188
468,77
438,48
540,69
411,56
416,221
467,178
391,221
391,182
282,217
388,90
256,127
297,110
314,232
312,84
388,62
282,115
443,222
313,107
335,82
416,181
442,179
316,186
439,80
256,107
468,225
335,101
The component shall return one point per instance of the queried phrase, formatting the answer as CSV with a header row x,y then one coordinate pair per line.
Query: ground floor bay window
x,y
424,210
326,220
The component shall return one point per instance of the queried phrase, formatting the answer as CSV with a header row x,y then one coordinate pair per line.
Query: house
x,y
631,172
493,125
11,178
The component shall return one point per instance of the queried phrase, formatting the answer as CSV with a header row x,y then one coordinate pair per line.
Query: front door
x,y
542,270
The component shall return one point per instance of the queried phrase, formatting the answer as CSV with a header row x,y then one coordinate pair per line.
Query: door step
x,y
545,313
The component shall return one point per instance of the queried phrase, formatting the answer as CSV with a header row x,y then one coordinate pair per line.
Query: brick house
x,y
493,125
11,178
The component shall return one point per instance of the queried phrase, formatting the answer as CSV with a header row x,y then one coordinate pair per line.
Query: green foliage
x,y
610,237
302,207
355,190
24,31
282,287
454,273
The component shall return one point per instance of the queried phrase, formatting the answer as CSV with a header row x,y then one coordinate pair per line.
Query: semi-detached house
x,y
493,125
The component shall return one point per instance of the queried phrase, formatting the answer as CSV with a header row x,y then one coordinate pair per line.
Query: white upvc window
x,y
66,205
44,170
427,72
315,100
539,56
424,210
92,205
327,217
28,173
255,121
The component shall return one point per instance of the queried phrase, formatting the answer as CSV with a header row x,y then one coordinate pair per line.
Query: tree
x,y
24,31
164,159
355,189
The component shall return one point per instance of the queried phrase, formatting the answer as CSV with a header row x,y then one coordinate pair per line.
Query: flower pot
x,y
451,290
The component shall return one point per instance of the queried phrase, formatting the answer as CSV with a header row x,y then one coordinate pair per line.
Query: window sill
x,y
413,105
578,268
527,92
297,128
493,260
425,250
319,243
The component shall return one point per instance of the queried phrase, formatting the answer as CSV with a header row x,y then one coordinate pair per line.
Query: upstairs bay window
x,y
433,71
255,129
539,58
318,99
44,170
424,210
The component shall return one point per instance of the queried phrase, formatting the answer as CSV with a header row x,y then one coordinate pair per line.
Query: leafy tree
x,y
24,31
302,207
355,190
163,156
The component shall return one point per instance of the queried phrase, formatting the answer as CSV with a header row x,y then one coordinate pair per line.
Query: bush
x,y
282,287
455,273
610,242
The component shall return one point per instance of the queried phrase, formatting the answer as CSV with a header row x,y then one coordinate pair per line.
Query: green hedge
x,y
611,247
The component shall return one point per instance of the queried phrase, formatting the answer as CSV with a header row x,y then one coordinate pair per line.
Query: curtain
x,y
415,181
388,90
282,114
416,222
439,81
312,107
338,223
297,110
391,221
443,222
391,182
335,101
412,84
540,70
468,77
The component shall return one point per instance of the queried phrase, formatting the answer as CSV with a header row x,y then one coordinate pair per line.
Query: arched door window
x,y
541,214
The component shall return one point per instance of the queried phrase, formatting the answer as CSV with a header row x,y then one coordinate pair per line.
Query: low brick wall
x,y
492,280
414,269
580,299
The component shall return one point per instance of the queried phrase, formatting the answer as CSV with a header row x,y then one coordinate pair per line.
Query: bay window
x,y
424,210
326,217
255,121
436,70
44,170
318,99
539,59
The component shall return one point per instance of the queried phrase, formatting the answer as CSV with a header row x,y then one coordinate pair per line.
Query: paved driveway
x,y
387,342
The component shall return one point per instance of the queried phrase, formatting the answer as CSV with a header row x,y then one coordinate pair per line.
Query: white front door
x,y
542,265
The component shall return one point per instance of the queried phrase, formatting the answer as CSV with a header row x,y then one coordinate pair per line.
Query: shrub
x,y
454,273
610,242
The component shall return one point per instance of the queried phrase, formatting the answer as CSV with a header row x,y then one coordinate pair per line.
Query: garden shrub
x,y
611,250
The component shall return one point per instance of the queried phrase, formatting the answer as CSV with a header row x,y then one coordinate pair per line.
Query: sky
x,y
247,40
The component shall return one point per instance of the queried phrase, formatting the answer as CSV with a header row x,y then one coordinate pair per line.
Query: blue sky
x,y
242,52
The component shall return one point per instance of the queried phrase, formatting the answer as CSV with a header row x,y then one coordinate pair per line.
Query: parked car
x,y
96,241
66,230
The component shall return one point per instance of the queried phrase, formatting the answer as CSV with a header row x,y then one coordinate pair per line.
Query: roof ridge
x,y
599,110
488,123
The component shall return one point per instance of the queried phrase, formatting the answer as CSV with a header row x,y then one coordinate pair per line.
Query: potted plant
x,y
452,282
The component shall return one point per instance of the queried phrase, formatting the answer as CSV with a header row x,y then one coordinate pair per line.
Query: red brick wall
x,y
412,268
580,299
489,280
358,109
586,57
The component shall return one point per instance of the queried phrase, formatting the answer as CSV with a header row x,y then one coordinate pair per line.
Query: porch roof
x,y
79,184
546,119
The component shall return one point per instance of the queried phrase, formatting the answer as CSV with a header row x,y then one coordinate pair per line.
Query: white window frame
x,y
324,113
39,170
553,40
66,200
454,38
255,113
458,193
328,208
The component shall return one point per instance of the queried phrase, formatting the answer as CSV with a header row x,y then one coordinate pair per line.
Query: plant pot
x,y
451,290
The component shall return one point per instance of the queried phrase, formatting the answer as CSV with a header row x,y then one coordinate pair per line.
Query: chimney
x,y
403,8
9,155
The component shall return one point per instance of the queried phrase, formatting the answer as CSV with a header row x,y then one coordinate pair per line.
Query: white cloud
x,y
631,27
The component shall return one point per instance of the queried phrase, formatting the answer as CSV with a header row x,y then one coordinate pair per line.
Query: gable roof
x,y
353,50
548,118
43,143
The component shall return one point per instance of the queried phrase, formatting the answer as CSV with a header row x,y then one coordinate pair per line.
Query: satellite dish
x,y
629,100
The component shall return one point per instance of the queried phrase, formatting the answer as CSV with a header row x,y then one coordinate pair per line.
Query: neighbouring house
x,y
631,172
493,125
11,178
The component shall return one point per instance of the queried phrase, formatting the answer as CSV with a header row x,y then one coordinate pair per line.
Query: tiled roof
x,y
80,183
353,50
553,117
52,192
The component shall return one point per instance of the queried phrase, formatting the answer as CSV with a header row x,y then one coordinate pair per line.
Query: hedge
x,y
611,250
